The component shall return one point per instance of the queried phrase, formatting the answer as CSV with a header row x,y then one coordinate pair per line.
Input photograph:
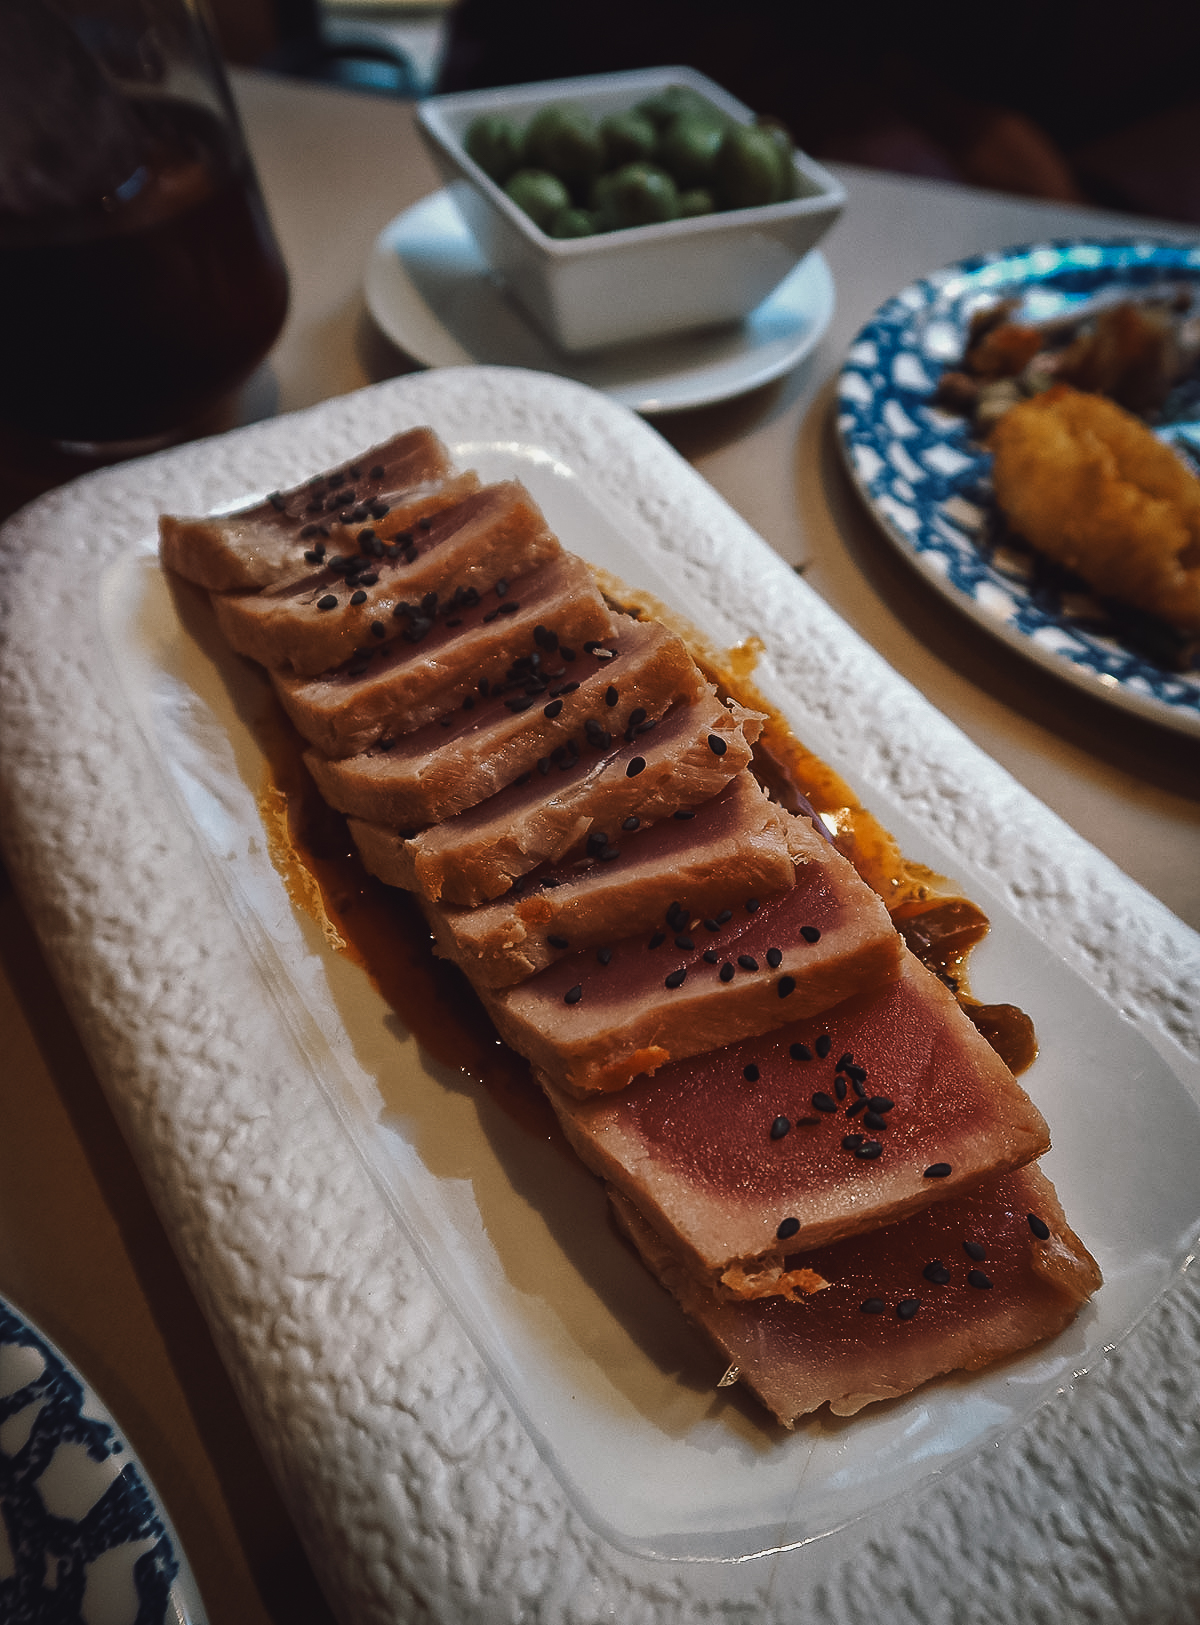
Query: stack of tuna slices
x,y
806,1139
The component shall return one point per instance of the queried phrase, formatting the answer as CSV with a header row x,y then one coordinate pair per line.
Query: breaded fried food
x,y
1090,486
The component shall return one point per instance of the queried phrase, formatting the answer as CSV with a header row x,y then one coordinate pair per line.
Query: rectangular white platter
x,y
618,1392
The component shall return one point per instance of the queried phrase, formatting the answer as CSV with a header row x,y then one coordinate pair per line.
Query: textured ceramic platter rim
x,y
662,1468
51,1408
430,242
326,1316
928,484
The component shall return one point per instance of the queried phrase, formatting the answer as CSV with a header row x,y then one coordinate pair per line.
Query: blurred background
x,y
1090,102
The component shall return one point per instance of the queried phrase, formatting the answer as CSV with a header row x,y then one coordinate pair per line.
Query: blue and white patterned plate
x,y
84,1539
929,483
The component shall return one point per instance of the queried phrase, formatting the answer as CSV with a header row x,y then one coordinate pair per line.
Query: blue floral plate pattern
x,y
929,484
83,1538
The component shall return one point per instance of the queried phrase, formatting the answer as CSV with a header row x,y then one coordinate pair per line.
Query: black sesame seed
x,y
726,972
543,765
358,597
880,1103
845,1060
558,942
509,608
328,602
747,962
637,716
938,1170
774,957
657,940
752,905
711,925
604,956
610,695
977,1278
800,1052
810,933
502,588
386,743
573,994
839,1088
685,943
724,917
677,978
1039,1227
873,1120
552,710
717,745
521,703
779,1128
872,1306
823,1045
851,1142
636,766
860,1089
609,853
975,1250
853,1070
631,823
683,812
869,1150
788,1228
378,630
750,1073
823,1103
376,471
711,956
936,1272
785,986
855,1106
907,1308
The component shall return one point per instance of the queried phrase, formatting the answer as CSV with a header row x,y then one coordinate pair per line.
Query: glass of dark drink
x,y
140,281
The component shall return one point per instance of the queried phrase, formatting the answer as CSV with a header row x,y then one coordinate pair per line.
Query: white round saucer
x,y
428,288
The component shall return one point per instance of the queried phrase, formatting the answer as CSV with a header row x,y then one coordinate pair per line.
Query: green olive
x,y
539,193
785,149
573,222
747,172
669,102
688,146
635,195
564,140
495,144
695,201
628,138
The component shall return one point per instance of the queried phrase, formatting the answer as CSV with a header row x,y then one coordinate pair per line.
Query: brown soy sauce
x,y
134,314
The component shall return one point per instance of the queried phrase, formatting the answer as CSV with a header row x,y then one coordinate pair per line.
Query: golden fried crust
x,y
1091,487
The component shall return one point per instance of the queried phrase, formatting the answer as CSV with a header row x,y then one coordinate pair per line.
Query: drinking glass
x,y
140,281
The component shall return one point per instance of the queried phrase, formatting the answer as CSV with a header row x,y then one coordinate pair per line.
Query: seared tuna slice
x,y
877,1322
461,759
818,1130
315,621
267,542
446,652
595,786
685,873
665,995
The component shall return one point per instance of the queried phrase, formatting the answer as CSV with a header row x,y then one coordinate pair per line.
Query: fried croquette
x,y
1089,486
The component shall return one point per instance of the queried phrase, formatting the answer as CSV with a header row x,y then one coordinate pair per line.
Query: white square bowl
x,y
587,293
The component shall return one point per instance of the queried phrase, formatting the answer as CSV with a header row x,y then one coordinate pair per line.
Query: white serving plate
x,y
618,1393
413,1479
429,289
